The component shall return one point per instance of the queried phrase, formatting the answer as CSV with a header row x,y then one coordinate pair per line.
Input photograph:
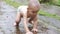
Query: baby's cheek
x,y
31,13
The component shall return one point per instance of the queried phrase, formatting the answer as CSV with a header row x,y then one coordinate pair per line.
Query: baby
x,y
26,12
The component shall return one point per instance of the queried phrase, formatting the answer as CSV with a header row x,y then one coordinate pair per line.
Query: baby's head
x,y
33,10
33,7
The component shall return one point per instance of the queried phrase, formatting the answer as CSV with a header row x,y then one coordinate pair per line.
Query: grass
x,y
13,3
41,12
51,2
57,2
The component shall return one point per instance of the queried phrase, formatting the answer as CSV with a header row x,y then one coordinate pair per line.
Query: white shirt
x,y
22,9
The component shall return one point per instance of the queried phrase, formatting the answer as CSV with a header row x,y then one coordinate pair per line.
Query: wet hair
x,y
33,4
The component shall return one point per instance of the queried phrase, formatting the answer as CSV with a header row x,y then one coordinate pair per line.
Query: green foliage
x,y
52,2
44,1
56,2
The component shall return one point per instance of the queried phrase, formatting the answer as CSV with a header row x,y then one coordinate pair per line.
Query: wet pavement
x,y
7,19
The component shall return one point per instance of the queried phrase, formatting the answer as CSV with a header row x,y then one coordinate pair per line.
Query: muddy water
x,y
7,20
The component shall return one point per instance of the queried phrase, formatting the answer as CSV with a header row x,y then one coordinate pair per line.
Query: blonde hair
x,y
34,3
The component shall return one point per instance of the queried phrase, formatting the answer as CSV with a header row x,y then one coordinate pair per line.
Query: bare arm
x,y
35,24
25,22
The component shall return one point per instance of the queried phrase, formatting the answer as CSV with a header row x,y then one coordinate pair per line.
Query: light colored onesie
x,y
22,9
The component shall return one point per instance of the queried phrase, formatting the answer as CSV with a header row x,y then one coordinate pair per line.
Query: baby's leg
x,y
18,19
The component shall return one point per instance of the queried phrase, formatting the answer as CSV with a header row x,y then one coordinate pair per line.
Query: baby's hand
x,y
35,30
29,33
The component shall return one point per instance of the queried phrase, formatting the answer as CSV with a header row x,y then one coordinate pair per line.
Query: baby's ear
x,y
27,8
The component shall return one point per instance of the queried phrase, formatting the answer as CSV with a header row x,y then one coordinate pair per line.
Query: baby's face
x,y
32,11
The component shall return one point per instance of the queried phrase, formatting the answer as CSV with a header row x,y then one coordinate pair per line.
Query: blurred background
x,y
48,17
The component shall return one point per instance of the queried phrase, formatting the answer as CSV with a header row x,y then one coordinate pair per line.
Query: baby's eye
x,y
33,12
